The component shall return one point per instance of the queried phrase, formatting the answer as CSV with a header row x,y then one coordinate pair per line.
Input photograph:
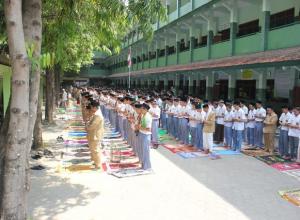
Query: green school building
x,y
229,49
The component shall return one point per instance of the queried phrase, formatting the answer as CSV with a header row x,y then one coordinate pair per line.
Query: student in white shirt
x,y
220,112
193,123
200,116
250,125
294,132
239,119
155,113
183,131
260,116
228,116
284,130
145,137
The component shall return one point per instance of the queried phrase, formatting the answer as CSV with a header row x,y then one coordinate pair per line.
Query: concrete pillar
x,y
176,83
261,86
210,81
178,8
190,89
166,51
210,36
165,83
143,51
157,51
192,43
265,24
231,86
156,82
177,48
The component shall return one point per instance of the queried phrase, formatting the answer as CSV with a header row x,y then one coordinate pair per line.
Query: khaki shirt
x,y
95,128
209,125
270,123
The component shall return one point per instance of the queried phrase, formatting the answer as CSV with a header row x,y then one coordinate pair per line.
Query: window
x,y
248,28
282,18
171,50
161,53
222,36
203,41
245,89
270,89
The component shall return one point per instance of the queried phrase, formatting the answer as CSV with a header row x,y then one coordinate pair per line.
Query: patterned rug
x,y
285,166
272,159
130,173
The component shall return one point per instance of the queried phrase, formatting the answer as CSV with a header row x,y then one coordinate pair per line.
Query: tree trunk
x,y
37,132
49,96
32,26
57,86
14,190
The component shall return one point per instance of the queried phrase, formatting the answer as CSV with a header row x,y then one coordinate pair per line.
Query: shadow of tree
x,y
57,196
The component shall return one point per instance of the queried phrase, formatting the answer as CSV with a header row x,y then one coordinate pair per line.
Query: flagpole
x,y
129,69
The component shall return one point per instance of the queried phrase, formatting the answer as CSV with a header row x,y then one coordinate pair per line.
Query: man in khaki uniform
x,y
95,130
208,129
270,125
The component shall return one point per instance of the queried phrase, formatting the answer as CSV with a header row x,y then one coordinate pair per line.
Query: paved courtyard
x,y
233,187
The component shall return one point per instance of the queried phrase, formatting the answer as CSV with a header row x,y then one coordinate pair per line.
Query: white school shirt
x,y
220,112
294,120
245,109
193,114
148,122
261,112
155,111
239,114
228,119
251,115
285,118
176,110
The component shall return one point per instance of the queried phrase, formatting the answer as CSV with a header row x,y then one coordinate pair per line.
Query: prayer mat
x,y
75,142
293,173
130,173
82,154
188,155
251,148
162,132
255,153
226,152
173,148
78,161
81,150
78,133
293,196
271,159
286,166
219,148
79,168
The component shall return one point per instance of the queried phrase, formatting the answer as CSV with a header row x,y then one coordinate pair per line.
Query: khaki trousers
x,y
269,142
95,152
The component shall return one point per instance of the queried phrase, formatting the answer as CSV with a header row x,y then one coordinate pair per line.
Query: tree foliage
x,y
74,29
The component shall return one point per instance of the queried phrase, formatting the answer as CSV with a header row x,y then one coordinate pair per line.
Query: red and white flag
x,y
129,58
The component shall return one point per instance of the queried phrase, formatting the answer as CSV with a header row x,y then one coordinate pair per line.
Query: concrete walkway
x,y
233,188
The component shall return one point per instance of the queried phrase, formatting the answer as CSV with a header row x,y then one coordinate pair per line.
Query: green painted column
x,y
265,24
231,86
190,89
177,51
166,55
210,81
165,83
210,36
157,51
233,32
261,86
192,46
176,84
178,8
